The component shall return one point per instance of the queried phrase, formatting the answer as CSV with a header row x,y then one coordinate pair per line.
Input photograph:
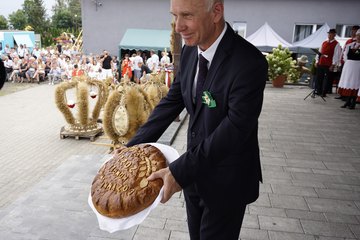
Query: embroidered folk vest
x,y
327,48
354,52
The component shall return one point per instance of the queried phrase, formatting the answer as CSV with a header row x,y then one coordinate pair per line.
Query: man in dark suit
x,y
2,74
220,171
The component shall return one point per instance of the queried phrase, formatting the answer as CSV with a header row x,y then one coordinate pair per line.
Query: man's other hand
x,y
170,184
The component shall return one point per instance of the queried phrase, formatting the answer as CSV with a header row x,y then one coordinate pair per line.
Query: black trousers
x,y
322,78
207,224
332,78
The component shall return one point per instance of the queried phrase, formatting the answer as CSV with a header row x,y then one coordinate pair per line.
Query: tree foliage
x,y
67,14
62,19
66,17
36,15
18,19
3,22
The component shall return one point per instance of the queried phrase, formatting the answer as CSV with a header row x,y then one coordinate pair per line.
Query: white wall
x,y
282,15
105,27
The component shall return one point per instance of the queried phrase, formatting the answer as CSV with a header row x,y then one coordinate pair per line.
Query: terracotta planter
x,y
279,81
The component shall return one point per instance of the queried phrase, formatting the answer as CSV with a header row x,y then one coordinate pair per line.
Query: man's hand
x,y
170,184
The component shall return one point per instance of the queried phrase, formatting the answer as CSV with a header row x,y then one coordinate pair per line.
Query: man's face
x,y
331,36
194,22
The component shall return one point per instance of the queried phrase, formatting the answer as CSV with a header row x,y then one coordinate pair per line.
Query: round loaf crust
x,y
121,189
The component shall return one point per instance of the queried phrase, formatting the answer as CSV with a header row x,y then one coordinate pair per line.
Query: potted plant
x,y
281,65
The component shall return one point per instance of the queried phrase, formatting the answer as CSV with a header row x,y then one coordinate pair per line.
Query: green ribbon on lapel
x,y
208,99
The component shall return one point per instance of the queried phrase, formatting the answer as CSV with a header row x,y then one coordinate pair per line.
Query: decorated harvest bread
x,y
121,189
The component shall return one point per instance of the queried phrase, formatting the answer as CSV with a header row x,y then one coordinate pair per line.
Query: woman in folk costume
x,y
350,77
126,67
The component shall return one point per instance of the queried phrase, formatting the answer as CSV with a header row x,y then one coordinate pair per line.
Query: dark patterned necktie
x,y
203,70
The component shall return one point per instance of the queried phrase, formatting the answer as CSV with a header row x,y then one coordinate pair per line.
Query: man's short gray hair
x,y
211,3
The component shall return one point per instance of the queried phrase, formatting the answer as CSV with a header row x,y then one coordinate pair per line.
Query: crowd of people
x,y
55,64
342,63
138,65
61,63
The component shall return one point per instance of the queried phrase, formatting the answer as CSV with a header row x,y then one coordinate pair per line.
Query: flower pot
x,y
279,81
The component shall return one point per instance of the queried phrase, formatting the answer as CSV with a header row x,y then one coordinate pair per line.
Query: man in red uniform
x,y
330,57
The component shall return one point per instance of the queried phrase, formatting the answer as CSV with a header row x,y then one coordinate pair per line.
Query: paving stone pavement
x,y
310,153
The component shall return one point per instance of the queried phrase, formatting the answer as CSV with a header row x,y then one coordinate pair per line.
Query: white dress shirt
x,y
208,54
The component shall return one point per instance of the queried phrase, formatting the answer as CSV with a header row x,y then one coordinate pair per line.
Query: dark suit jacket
x,y
2,74
222,157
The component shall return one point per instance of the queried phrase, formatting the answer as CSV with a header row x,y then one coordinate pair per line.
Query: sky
x,y
9,6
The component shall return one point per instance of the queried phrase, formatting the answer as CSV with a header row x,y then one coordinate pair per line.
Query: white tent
x,y
314,40
265,39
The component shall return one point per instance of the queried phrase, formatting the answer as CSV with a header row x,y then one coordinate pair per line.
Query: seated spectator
x,y
83,67
13,53
47,66
40,71
77,72
21,51
300,67
14,77
8,64
36,52
32,66
66,51
55,71
24,66
7,50
68,67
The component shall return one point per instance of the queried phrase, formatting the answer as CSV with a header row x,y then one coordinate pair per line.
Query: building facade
x,y
106,21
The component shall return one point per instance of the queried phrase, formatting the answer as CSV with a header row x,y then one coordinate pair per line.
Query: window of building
x,y
304,30
344,30
240,28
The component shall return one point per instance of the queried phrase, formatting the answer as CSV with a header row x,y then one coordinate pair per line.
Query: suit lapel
x,y
221,53
190,75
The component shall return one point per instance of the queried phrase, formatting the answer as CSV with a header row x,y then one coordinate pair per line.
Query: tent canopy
x,y
145,39
314,40
23,39
265,39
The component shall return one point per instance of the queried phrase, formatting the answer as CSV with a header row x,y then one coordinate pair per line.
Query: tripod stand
x,y
313,95
318,83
